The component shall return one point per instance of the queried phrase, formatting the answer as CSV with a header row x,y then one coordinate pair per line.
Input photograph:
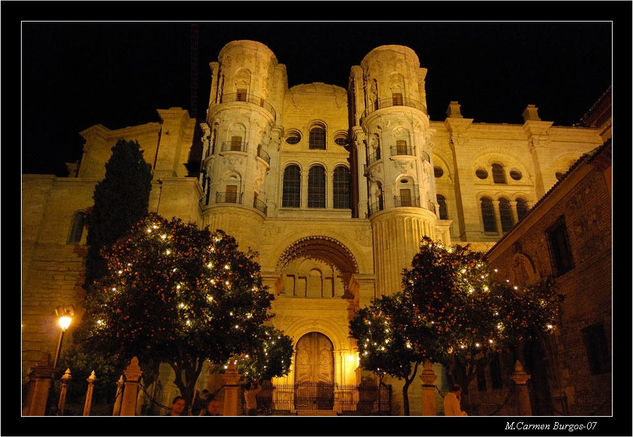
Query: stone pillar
x,y
116,411
88,403
515,214
231,390
40,383
495,204
130,390
66,377
520,378
428,378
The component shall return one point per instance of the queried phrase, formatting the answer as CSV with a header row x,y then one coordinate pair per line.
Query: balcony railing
x,y
373,157
231,146
249,98
402,201
228,197
261,153
374,207
258,204
402,150
394,101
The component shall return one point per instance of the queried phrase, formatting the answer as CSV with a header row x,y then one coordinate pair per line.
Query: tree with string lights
x,y
389,343
269,357
176,294
450,311
470,314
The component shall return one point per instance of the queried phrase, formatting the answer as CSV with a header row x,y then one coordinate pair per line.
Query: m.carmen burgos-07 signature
x,y
556,426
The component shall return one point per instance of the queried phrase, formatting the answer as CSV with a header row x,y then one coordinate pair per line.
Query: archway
x,y
314,373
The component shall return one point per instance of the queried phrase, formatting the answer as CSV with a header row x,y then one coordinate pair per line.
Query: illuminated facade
x,y
333,187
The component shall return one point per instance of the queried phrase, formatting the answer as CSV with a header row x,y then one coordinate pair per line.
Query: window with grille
x,y
397,99
441,201
596,348
236,143
316,187
405,197
401,147
76,227
292,187
317,138
522,208
241,95
488,215
560,251
498,174
341,187
231,194
505,213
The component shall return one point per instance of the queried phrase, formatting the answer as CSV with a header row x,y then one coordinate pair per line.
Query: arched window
x,y
292,187
522,208
316,187
207,198
488,215
317,137
341,187
441,201
498,174
505,213
76,227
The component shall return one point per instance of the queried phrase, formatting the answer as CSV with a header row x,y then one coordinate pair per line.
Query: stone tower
x,y
393,149
241,139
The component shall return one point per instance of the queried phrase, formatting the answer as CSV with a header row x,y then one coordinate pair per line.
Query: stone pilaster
x,y
231,390
130,391
428,378
520,378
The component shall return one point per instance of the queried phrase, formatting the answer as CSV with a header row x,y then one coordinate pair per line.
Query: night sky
x,y
117,74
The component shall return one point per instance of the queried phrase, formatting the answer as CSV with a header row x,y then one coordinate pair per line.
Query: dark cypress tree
x,y
121,199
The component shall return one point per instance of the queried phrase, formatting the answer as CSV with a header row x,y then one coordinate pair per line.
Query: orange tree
x,y
469,313
450,311
176,294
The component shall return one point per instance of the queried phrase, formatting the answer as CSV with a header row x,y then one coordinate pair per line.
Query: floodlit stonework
x,y
333,186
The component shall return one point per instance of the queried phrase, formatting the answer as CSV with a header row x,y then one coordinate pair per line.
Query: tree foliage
x,y
121,199
177,294
269,357
451,310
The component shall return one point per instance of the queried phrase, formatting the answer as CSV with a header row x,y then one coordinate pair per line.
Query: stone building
x,y
567,235
333,186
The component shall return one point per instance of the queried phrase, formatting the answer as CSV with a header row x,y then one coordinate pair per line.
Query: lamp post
x,y
65,316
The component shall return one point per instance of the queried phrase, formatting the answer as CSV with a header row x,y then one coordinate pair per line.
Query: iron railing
x,y
399,201
230,146
249,98
363,399
228,197
261,153
402,150
393,101
376,206
258,204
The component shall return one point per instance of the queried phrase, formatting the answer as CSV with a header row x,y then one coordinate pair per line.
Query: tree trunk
x,y
188,384
405,389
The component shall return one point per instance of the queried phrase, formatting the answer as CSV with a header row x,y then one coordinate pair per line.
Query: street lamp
x,y
65,316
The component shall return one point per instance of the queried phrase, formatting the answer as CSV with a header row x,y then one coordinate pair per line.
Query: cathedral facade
x,y
333,187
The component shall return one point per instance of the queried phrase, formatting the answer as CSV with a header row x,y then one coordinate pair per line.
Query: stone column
x,y
130,390
495,204
428,378
40,383
116,411
66,377
520,378
88,403
231,390
513,208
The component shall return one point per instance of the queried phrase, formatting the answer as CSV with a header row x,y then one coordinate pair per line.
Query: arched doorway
x,y
314,373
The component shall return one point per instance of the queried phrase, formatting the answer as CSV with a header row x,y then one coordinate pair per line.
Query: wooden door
x,y
314,373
